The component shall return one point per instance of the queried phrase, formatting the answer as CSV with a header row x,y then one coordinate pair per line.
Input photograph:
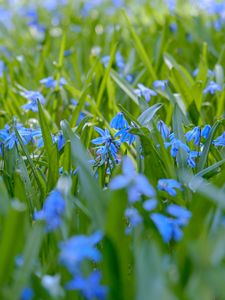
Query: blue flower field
x,y
112,150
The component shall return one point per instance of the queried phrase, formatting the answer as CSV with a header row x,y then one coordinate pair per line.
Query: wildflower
x,y
163,129
176,145
50,82
170,227
194,134
220,140
27,294
169,186
212,87
160,84
89,287
134,218
119,122
191,156
33,97
52,211
9,137
125,135
206,131
2,68
136,184
182,214
145,92
109,147
150,204
79,248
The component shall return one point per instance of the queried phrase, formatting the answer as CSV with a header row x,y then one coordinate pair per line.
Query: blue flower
x,y
134,218
191,156
182,214
125,135
136,184
150,204
89,287
206,131
33,97
52,211
79,248
176,145
170,227
119,122
9,137
220,140
167,227
110,146
160,84
163,129
2,68
27,294
194,134
169,186
50,82
145,92
212,87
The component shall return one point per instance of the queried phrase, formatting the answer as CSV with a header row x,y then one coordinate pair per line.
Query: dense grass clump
x,y
112,159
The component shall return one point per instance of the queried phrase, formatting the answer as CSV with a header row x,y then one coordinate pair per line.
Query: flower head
x,y
52,211
136,184
212,87
145,92
169,186
89,287
79,248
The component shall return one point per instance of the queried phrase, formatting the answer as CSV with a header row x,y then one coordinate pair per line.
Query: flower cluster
x,y
73,253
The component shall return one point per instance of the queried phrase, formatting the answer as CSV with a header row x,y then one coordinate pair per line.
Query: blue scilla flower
x,y
176,145
89,287
163,129
79,248
160,84
150,204
168,227
50,82
32,97
9,138
27,294
206,131
119,121
192,155
109,145
52,211
169,186
194,134
143,91
125,135
212,87
133,217
220,140
136,184
2,68
182,214
171,4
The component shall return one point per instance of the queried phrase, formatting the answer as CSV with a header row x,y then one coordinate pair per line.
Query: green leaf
x,y
90,189
51,150
148,114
